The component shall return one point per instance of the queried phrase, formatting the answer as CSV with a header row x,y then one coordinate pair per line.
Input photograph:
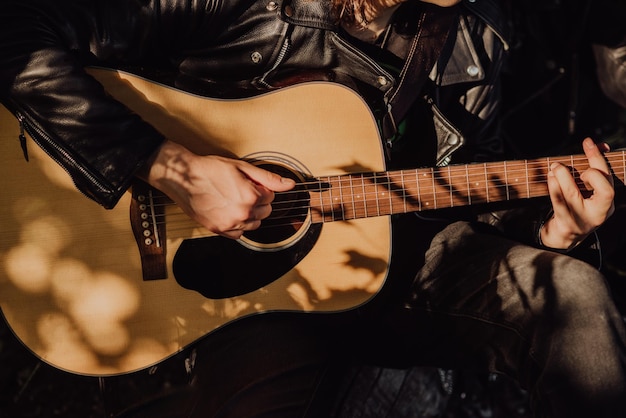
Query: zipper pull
x,y
22,137
388,130
388,148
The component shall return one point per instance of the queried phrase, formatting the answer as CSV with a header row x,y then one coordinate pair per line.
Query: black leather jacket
x,y
213,47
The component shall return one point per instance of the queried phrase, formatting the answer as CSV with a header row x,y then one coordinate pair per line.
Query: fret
x,y
527,184
469,187
615,160
351,190
376,193
325,197
359,204
316,201
486,182
408,194
461,186
396,191
457,185
404,193
434,186
383,193
450,187
332,198
327,190
364,196
506,182
347,197
342,202
322,195
428,193
495,182
419,190
623,167
392,191
519,170
477,183
389,195
415,195
539,178
371,196
420,175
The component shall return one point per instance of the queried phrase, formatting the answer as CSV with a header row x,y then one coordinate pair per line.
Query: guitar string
x,y
441,190
448,185
444,184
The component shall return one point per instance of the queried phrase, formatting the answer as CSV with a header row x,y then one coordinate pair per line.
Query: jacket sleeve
x,y
44,47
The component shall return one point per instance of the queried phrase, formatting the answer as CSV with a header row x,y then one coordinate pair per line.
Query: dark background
x,y
552,101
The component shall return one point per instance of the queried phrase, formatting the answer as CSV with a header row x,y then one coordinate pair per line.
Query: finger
x,y
600,205
599,183
596,157
260,196
598,178
260,212
252,225
604,147
268,179
569,192
239,230
559,204
232,234
570,205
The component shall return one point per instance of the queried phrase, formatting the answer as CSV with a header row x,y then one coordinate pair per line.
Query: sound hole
x,y
218,267
289,212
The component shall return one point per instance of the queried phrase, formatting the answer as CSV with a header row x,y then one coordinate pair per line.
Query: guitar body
x,y
71,284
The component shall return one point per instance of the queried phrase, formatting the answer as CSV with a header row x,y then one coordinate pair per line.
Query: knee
x,y
574,289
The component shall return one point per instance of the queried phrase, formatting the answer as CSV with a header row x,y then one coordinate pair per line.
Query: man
x,y
504,300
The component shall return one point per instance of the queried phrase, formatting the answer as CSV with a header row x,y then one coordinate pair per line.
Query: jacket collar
x,y
309,13
318,14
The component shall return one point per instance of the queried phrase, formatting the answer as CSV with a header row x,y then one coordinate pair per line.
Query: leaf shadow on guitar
x,y
71,285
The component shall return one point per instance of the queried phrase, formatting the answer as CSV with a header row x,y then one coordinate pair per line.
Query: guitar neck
x,y
354,196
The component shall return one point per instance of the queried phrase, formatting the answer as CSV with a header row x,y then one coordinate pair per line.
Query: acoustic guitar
x,y
107,292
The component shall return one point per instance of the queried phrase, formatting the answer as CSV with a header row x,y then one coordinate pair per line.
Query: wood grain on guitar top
x,y
71,285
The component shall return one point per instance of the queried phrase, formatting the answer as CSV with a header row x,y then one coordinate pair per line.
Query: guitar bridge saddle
x,y
147,218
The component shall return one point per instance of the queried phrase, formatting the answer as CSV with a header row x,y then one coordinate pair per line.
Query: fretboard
x,y
354,196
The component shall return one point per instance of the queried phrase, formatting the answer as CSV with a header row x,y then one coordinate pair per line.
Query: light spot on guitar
x,y
28,268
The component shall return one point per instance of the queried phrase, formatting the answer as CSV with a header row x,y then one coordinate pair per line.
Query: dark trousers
x,y
480,302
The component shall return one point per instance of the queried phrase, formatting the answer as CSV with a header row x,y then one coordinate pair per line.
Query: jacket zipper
x,y
22,137
281,54
284,49
41,139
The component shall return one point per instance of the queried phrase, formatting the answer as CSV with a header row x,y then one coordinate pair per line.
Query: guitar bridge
x,y
147,219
